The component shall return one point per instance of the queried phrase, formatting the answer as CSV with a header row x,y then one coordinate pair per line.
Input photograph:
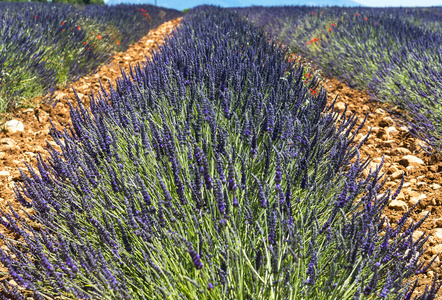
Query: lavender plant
x,y
210,172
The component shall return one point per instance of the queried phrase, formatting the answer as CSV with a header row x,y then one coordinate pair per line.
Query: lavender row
x,y
395,53
43,46
211,172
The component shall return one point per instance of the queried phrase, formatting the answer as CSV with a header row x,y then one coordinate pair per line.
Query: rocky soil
x,y
403,156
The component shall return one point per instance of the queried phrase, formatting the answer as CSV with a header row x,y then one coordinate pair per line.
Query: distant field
x,y
43,46
395,53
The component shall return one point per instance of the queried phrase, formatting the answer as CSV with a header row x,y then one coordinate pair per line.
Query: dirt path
x,y
402,155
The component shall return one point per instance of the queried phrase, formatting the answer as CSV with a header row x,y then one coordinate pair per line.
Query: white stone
x,y
437,235
8,141
380,111
402,151
14,125
436,249
30,154
436,186
411,160
404,129
391,130
414,200
398,205
43,116
340,106
4,173
417,234
401,196
397,175
424,213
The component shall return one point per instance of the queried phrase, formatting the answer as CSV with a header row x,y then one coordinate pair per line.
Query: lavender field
x,y
211,172
45,46
394,53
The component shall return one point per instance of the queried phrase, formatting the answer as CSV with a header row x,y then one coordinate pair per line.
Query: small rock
x,y
430,274
398,205
42,116
424,213
30,154
60,96
435,185
417,234
4,173
386,121
402,151
414,194
437,235
414,200
438,223
85,87
435,265
397,175
340,106
410,168
401,196
38,149
13,126
421,184
380,111
2,155
12,282
391,130
127,57
411,160
420,144
436,249
29,110
390,143
433,169
390,184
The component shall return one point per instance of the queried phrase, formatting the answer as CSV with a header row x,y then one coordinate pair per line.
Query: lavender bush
x,y
392,52
211,172
43,46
